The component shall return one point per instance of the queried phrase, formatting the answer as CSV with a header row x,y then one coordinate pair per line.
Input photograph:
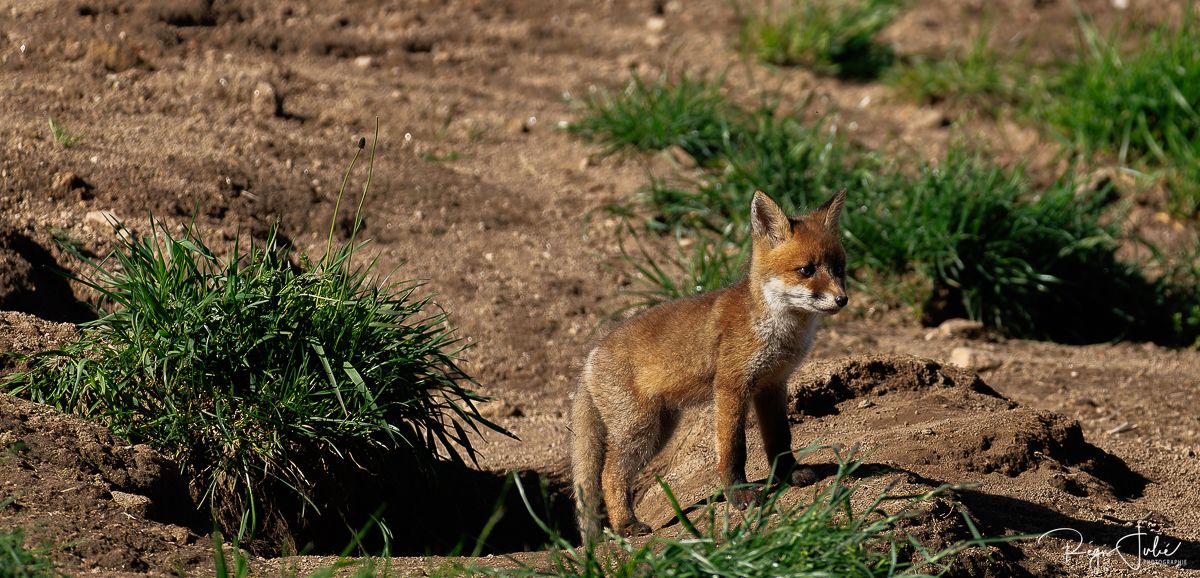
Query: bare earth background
x,y
243,114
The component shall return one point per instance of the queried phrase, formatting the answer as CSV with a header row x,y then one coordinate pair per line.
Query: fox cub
x,y
733,347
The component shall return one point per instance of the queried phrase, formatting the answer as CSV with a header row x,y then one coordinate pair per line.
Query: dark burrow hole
x,y
453,509
33,282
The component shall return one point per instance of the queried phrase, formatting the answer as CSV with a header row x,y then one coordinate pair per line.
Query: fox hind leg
x,y
632,444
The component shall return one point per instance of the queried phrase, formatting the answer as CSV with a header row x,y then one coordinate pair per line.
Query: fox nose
x,y
841,300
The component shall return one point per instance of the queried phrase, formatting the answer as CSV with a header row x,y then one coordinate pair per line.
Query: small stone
x,y
266,100
364,61
134,504
866,403
498,408
113,57
960,328
104,219
681,157
974,359
66,183
179,534
519,125
656,24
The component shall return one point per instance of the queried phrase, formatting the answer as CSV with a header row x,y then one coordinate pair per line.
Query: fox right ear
x,y
767,220
830,213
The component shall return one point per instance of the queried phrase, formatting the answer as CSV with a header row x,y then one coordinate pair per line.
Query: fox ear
x,y
830,213
767,219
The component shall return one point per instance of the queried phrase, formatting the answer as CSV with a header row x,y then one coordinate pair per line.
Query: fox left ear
x,y
767,220
830,213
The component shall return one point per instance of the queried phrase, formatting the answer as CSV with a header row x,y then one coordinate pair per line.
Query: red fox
x,y
733,346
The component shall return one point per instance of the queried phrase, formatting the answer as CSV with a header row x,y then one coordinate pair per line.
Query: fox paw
x,y
741,498
635,528
803,476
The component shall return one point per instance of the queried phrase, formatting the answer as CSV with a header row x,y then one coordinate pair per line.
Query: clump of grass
x,y
18,562
1036,264
700,263
687,112
61,135
257,372
1145,106
977,77
768,153
832,37
843,531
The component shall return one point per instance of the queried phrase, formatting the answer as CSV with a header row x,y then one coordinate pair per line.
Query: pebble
x,y
499,408
681,157
975,359
266,101
65,183
134,504
956,328
520,125
101,218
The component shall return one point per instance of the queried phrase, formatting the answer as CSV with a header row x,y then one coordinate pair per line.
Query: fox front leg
x,y
730,405
770,404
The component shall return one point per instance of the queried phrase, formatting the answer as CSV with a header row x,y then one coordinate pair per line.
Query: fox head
x,y
798,263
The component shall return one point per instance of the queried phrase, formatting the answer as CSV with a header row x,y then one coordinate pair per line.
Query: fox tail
x,y
587,462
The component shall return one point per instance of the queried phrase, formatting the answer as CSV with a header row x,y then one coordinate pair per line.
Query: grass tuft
x,y
843,531
18,562
960,237
1144,106
256,371
977,77
61,136
831,37
687,112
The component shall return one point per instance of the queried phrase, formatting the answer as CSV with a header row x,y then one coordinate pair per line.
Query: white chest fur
x,y
786,331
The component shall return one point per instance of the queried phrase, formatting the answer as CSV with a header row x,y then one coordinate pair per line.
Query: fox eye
x,y
807,270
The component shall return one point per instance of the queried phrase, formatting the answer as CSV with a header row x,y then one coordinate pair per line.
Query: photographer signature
x,y
1157,551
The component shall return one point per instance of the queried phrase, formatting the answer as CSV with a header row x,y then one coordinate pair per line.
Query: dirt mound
x,y
934,424
22,333
822,384
103,503
54,453
96,500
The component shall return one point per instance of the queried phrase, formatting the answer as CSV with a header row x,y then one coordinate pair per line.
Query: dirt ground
x,y
240,114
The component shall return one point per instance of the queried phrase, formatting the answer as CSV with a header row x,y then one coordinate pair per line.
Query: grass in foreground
x,y
977,239
842,532
832,37
256,373
18,562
